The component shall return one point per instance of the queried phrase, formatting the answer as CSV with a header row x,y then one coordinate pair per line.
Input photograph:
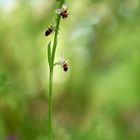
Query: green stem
x,y
51,72
50,103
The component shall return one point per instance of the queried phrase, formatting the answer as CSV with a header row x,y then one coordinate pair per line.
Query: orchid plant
x,y
61,13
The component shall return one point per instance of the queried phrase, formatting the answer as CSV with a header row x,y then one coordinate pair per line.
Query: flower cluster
x,y
62,12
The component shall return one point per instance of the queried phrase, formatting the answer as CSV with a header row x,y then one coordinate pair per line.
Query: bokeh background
x,y
98,98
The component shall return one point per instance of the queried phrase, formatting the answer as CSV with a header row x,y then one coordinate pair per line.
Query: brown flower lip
x,y
65,66
49,31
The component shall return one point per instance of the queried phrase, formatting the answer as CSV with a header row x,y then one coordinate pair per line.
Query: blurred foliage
x,y
98,98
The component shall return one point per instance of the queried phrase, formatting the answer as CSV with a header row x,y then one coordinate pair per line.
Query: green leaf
x,y
49,53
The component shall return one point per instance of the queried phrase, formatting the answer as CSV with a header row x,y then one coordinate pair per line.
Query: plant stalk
x,y
58,18
50,103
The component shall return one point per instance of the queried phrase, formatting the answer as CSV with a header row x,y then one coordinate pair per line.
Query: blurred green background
x,y
98,98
